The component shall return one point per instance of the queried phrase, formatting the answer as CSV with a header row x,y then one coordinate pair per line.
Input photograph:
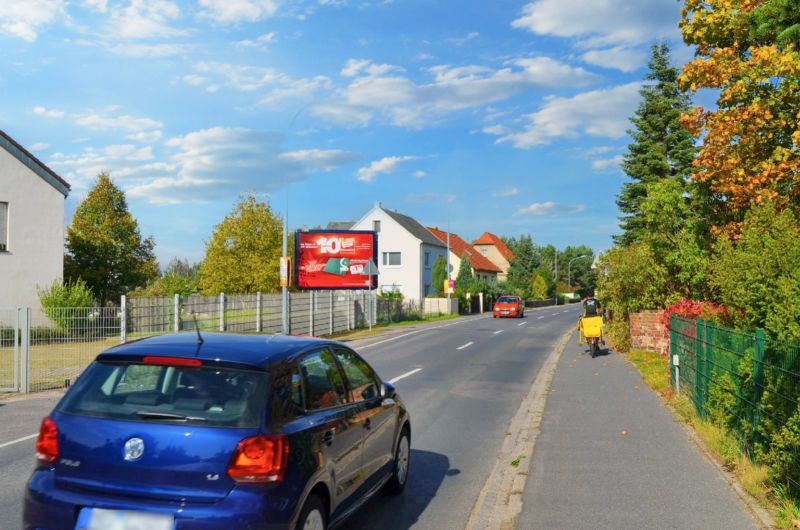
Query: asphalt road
x,y
462,381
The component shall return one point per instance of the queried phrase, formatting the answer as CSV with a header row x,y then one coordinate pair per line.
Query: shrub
x,y
68,304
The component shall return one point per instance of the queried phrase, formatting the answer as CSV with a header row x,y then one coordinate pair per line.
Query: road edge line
x,y
500,501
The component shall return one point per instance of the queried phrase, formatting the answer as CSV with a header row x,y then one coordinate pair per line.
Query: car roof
x,y
251,350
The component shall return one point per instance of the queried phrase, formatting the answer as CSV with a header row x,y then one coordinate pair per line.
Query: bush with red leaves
x,y
693,309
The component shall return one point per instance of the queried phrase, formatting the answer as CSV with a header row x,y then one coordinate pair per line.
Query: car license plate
x,y
100,519
503,312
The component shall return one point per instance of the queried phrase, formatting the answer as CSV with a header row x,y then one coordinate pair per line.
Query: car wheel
x,y
402,461
313,515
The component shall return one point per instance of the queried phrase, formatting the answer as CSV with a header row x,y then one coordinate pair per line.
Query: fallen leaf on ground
x,y
623,433
636,387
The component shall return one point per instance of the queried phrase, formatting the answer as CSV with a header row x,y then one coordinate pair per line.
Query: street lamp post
x,y
569,270
555,291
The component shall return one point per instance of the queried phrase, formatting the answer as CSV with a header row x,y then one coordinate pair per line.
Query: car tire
x,y
312,516
402,464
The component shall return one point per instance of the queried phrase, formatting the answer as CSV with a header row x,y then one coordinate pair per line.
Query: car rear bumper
x,y
49,507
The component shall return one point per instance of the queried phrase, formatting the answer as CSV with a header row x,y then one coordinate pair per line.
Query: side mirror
x,y
388,391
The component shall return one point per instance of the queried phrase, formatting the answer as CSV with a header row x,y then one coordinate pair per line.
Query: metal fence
x,y
49,349
746,382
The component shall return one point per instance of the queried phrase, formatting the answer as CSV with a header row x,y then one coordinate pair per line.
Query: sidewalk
x,y
610,455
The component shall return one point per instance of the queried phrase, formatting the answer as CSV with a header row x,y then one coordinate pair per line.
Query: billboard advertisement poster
x,y
340,259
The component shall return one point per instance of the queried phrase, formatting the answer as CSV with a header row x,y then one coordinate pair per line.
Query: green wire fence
x,y
746,382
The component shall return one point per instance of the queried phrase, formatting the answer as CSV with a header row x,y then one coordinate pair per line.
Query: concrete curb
x,y
500,501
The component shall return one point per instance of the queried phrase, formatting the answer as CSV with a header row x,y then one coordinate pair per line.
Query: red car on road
x,y
509,306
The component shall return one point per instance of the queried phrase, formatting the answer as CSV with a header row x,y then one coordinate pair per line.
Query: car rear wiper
x,y
153,415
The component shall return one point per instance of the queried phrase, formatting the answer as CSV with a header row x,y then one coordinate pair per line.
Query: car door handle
x,y
368,424
327,439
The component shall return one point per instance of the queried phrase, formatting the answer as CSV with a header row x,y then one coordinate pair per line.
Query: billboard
x,y
339,259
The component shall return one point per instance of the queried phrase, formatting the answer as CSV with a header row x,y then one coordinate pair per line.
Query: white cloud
x,y
139,50
388,164
143,19
125,162
320,159
420,174
275,84
145,136
235,11
24,18
99,6
601,113
259,43
507,192
602,22
103,122
354,67
460,41
599,150
619,58
221,162
605,164
41,146
405,103
549,208
48,113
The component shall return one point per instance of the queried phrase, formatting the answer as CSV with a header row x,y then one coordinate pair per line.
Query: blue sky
x,y
506,116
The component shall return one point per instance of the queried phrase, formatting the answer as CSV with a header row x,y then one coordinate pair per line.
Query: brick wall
x,y
647,333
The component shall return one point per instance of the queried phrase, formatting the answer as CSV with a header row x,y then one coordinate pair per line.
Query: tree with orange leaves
x,y
749,50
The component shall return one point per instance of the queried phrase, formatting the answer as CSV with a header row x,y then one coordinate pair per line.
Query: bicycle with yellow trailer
x,y
590,331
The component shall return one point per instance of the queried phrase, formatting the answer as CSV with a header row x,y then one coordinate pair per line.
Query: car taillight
x,y
47,443
260,459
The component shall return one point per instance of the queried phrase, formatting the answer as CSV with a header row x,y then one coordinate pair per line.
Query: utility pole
x,y
448,264
285,263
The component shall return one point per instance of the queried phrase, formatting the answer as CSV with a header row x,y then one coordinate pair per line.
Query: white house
x,y
406,252
31,225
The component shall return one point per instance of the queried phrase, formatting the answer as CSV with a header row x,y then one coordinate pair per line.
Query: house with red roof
x,y
482,268
492,248
31,225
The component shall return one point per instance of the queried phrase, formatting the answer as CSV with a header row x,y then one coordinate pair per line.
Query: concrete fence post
x,y
258,312
480,300
222,311
330,310
311,313
25,350
176,325
123,319
349,308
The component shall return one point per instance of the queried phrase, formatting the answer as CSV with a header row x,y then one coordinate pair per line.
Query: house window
x,y
427,259
376,227
427,289
3,226
391,259
484,251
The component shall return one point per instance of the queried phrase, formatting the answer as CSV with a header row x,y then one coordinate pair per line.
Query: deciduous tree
x,y
243,254
748,50
104,246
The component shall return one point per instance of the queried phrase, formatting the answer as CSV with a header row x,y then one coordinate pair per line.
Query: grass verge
x,y
754,478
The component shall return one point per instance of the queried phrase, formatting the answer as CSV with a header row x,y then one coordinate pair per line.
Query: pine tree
x,y
104,246
661,147
464,276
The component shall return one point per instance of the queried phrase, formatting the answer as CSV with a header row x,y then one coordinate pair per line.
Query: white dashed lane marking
x,y
403,376
467,345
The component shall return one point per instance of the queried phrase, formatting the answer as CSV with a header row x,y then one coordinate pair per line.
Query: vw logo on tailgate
x,y
134,449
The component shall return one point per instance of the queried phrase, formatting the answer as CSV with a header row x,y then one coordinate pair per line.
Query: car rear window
x,y
212,396
507,300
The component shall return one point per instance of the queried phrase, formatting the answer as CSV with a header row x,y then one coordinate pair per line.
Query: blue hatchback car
x,y
233,431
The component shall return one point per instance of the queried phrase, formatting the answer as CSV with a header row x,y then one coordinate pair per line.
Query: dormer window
x,y
376,227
